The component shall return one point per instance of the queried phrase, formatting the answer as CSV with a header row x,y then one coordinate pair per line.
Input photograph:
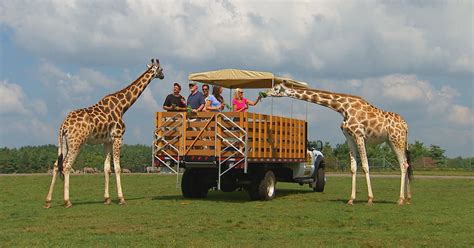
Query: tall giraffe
x,y
100,123
363,123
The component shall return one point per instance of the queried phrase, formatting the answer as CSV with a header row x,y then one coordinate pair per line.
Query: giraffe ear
x,y
157,61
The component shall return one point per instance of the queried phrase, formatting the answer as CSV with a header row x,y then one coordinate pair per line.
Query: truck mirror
x,y
319,145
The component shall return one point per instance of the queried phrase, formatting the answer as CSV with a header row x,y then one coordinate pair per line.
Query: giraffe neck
x,y
335,101
121,101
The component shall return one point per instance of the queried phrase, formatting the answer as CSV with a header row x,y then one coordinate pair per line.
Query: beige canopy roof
x,y
233,78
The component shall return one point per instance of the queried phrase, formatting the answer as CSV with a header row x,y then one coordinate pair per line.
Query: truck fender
x,y
317,163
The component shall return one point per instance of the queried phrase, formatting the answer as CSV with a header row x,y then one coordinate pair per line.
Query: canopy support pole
x,y
273,85
231,104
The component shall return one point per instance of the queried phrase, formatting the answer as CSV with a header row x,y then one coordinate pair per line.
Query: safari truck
x,y
233,150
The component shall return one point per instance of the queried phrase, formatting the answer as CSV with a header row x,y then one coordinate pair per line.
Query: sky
x,y
414,58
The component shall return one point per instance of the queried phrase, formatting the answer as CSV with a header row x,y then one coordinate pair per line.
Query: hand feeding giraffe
x,y
100,123
363,123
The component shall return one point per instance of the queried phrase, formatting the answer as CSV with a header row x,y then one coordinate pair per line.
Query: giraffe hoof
x,y
107,201
122,201
408,201
370,202
47,205
67,204
350,202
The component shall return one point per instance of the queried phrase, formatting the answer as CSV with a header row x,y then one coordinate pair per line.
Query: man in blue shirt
x,y
196,98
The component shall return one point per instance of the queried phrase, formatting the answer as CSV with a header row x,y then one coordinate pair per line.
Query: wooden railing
x,y
268,137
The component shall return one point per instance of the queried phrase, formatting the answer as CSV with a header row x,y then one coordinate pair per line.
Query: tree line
x,y
381,156
38,159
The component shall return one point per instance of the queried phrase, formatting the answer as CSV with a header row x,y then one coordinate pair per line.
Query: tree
x,y
437,154
418,150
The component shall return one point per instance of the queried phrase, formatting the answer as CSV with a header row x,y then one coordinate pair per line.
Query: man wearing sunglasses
x,y
196,98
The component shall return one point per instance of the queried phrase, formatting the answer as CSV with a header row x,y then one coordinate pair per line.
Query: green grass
x,y
156,215
417,172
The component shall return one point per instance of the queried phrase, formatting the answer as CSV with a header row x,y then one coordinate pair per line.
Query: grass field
x,y
442,214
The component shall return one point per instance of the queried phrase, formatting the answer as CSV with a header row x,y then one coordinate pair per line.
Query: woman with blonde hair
x,y
240,103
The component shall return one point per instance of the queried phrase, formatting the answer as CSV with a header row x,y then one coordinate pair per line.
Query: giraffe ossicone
x,y
100,123
363,123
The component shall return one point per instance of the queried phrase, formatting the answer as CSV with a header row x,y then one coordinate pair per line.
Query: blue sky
x,y
415,59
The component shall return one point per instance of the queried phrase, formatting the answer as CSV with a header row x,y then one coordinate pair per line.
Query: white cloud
x,y
461,115
11,98
83,87
462,64
20,116
324,36
408,93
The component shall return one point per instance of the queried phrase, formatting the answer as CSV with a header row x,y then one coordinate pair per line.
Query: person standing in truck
x,y
240,103
175,101
196,98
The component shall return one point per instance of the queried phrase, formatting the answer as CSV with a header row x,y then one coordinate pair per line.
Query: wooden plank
x,y
265,135
280,144
219,131
199,142
201,124
254,129
292,139
286,139
259,152
207,133
203,152
184,125
300,147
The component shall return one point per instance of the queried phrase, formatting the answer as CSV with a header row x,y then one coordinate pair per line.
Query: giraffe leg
x,y
399,150
365,167
352,157
107,171
47,204
404,176
69,161
67,202
408,191
116,153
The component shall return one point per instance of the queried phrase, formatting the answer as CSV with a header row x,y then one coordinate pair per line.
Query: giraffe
x,y
100,123
363,123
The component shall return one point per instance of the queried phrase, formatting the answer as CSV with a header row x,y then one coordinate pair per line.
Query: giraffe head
x,y
156,68
280,90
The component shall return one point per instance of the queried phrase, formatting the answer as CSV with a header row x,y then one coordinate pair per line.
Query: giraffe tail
x,y
61,156
60,165
410,167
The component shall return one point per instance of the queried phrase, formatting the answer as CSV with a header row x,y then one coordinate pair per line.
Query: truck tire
x,y
320,177
263,188
192,186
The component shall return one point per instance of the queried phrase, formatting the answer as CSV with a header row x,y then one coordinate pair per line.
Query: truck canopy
x,y
233,78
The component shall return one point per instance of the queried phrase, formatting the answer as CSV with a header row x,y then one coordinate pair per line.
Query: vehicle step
x,y
304,180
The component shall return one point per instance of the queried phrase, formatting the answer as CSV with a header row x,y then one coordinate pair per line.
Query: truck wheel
x,y
263,188
320,177
192,186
